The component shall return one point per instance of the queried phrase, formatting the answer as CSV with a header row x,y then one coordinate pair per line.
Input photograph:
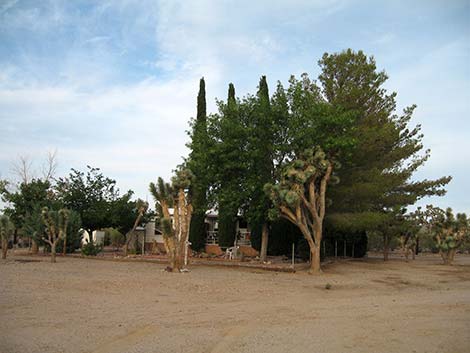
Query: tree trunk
x,y
444,256
64,251
315,268
128,241
386,247
4,248
34,247
264,242
450,256
53,252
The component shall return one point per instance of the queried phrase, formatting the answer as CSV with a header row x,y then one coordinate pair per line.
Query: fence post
x,y
293,255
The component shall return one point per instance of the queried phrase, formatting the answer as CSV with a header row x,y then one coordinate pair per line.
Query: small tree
x,y
449,231
116,238
300,197
408,242
73,238
175,227
94,196
141,207
6,231
56,227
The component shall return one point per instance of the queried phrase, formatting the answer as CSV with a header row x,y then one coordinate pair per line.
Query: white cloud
x,y
117,92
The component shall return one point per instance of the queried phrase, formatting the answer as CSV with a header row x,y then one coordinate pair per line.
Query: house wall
x,y
98,237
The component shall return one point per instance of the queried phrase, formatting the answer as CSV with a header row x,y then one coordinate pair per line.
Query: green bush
x,y
91,249
114,238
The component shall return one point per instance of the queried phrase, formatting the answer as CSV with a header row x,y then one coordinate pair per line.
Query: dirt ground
x,y
80,305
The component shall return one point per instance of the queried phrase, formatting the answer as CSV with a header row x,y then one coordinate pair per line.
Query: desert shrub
x,y
91,249
114,238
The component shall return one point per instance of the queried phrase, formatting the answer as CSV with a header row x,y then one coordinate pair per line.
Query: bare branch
x,y
49,167
22,168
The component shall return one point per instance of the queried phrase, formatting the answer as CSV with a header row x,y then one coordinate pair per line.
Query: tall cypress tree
x,y
231,167
197,163
261,128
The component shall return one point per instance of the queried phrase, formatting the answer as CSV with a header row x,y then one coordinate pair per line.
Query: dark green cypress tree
x,y
231,167
197,163
261,128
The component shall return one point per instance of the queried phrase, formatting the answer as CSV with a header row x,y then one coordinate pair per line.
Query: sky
x,y
113,84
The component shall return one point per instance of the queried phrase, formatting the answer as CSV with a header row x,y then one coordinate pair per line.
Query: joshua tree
x,y
175,228
142,207
449,231
408,243
6,231
300,197
56,227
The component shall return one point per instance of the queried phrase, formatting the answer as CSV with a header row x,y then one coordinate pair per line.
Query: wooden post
x,y
188,243
344,249
352,250
336,249
143,243
293,255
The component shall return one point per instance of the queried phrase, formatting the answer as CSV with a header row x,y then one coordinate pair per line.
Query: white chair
x,y
232,252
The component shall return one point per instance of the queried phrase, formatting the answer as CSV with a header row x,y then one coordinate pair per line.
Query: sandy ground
x,y
79,305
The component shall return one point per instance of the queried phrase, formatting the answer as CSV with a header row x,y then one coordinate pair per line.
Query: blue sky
x,y
113,84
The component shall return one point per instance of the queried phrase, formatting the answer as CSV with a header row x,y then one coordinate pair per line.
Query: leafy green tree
x,y
198,164
33,227
25,205
116,238
73,237
6,231
311,135
393,225
94,196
